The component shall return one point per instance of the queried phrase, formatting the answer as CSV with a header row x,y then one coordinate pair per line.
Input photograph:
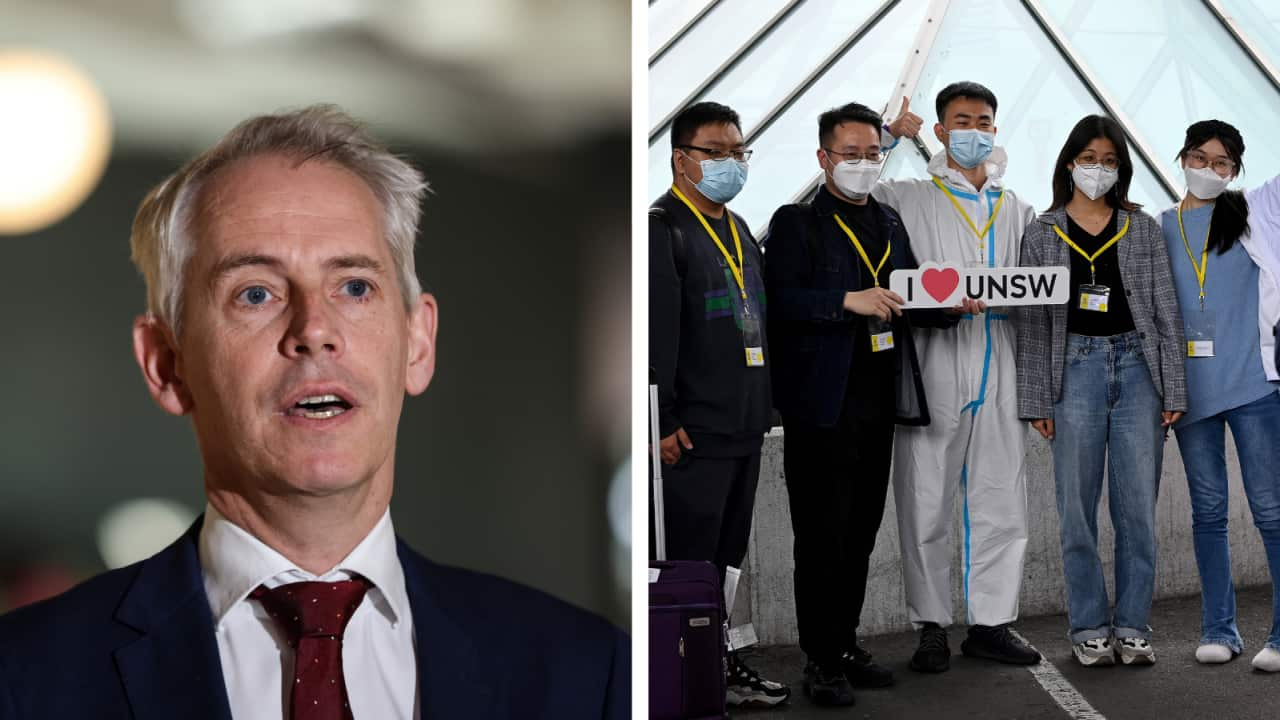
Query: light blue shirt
x,y
1234,376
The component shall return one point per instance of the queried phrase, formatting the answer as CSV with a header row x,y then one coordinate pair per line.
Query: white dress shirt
x,y
378,658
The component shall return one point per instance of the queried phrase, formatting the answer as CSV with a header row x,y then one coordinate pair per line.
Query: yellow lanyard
x,y
1087,256
737,243
875,271
1202,270
994,211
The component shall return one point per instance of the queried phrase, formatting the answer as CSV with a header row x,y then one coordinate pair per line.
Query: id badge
x,y
881,334
1200,327
1094,297
752,338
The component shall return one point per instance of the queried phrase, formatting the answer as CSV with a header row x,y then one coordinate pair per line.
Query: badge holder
x,y
752,337
1200,327
881,334
1095,297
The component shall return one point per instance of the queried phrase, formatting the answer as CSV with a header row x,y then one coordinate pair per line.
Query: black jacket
x,y
811,334
695,342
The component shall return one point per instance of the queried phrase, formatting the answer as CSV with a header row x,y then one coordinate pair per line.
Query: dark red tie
x,y
314,615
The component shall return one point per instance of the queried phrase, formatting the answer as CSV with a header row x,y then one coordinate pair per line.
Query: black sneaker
x,y
745,686
998,643
934,654
862,672
826,685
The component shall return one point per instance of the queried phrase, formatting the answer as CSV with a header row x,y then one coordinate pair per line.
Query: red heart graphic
x,y
940,283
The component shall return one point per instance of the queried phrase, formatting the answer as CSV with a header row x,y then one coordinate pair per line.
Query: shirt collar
x,y
234,563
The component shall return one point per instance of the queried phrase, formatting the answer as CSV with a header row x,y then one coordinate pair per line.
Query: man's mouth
x,y
319,407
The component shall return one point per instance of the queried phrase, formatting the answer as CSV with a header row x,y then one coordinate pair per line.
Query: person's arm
x,y
788,273
665,286
906,125
1034,346
1168,321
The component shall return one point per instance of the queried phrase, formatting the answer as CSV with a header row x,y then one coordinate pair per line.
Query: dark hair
x,y
853,112
1230,219
686,124
969,90
1090,128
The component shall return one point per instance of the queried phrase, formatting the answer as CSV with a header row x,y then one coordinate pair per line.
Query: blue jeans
x,y
1109,406
1256,429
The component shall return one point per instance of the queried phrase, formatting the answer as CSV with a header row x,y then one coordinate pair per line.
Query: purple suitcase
x,y
687,622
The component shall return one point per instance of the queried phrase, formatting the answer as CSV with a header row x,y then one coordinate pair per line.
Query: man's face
x,y
849,141
718,138
297,348
965,113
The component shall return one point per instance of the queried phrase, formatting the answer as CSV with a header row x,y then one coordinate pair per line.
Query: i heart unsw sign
x,y
941,286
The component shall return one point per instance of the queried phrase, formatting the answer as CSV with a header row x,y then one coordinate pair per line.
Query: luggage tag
x,y
881,334
1200,328
1094,297
752,338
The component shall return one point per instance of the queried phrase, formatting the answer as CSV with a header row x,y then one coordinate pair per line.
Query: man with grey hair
x,y
285,317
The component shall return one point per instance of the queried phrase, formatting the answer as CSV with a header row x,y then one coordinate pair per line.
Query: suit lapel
x,y
454,679
1125,244
173,669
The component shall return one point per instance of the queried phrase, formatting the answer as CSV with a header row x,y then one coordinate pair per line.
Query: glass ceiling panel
x,y
784,158
666,17
1040,97
1171,64
1261,22
703,49
783,59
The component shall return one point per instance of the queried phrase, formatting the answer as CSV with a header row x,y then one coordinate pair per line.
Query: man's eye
x,y
255,295
357,288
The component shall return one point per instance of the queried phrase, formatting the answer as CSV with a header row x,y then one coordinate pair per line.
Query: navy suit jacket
x,y
138,643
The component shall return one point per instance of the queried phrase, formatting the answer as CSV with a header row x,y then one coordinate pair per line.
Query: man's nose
x,y
313,329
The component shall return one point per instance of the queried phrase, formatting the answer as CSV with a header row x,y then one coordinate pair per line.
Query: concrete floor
x,y
1175,687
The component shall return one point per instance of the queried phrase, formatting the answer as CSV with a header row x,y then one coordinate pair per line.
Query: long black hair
x,y
1230,218
1090,128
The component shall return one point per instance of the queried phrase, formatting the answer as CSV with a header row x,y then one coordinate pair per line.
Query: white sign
x,y
943,286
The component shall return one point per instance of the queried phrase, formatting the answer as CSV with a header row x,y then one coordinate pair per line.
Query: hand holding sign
x,y
946,286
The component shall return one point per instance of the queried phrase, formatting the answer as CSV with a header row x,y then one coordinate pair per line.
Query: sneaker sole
x,y
738,700
869,684
1138,659
824,701
1096,661
930,670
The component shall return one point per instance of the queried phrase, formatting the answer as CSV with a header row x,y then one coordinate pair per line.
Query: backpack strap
x,y
678,252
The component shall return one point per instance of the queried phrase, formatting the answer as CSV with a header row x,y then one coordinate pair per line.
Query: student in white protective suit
x,y
974,447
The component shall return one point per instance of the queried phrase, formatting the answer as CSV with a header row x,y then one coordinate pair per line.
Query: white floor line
x,y
1061,689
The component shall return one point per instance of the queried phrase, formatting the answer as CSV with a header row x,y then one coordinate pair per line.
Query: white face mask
x,y
1094,180
1204,183
856,181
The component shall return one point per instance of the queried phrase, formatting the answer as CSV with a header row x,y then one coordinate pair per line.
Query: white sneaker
x,y
1136,651
1214,654
1267,660
1094,652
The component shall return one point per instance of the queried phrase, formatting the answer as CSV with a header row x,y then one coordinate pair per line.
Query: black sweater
x,y
695,340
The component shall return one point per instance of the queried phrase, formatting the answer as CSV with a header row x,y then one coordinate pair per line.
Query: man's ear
x,y
423,321
156,350
938,132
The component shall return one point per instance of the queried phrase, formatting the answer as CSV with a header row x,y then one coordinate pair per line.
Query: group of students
x,y
1170,325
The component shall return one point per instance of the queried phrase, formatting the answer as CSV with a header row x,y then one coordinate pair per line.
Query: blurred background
x,y
517,111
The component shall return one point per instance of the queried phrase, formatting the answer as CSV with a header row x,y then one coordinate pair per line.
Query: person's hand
x,y
876,302
907,124
672,444
1044,426
967,306
1170,417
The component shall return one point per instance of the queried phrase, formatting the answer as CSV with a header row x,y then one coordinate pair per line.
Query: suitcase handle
x,y
659,517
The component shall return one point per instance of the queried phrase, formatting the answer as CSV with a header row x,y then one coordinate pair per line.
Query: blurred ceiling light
x,y
137,529
55,134
232,22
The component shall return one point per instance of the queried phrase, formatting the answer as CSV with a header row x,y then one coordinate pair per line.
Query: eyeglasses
x,y
1222,166
1089,159
739,154
871,156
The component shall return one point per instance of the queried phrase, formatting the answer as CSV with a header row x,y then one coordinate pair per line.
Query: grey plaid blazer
x,y
1148,282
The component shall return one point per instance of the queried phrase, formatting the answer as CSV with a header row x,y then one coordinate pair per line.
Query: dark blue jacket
x,y
810,333
139,643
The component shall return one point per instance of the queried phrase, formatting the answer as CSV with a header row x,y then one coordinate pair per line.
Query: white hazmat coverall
x,y
975,442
